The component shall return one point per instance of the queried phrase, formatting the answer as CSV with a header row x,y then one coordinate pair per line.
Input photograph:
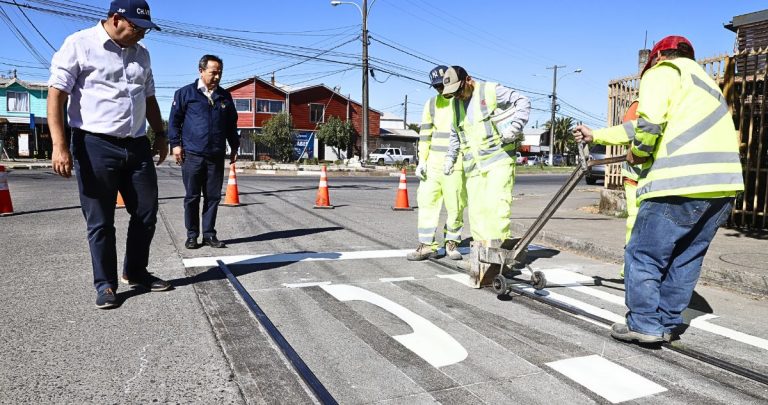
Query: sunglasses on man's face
x,y
136,28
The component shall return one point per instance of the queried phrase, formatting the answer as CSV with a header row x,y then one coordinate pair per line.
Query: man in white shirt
x,y
105,74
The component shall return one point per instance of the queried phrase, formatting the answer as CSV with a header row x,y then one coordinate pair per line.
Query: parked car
x,y
596,173
536,160
558,160
521,160
389,156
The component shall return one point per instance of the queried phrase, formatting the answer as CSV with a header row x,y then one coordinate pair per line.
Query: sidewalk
x,y
735,261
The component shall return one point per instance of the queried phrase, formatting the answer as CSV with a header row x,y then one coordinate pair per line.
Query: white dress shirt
x,y
107,85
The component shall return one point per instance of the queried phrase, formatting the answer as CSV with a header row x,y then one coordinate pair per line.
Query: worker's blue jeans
x,y
664,256
104,165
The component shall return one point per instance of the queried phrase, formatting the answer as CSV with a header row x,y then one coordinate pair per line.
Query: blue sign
x,y
31,121
304,145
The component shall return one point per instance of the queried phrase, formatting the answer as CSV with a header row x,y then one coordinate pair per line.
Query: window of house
x,y
270,106
316,112
242,104
18,102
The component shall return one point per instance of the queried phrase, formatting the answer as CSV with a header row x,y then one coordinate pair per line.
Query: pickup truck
x,y
389,156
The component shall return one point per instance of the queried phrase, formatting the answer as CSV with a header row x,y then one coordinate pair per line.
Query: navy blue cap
x,y
436,74
135,11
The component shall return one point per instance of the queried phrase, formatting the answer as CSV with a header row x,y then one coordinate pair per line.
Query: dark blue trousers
x,y
202,174
104,165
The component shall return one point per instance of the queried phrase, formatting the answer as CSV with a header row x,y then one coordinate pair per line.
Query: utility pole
x,y
554,107
405,114
364,11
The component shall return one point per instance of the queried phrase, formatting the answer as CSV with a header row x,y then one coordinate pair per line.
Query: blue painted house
x,y
23,123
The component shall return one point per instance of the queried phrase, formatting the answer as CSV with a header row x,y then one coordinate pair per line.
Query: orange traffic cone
x,y
323,200
120,203
232,199
6,207
401,201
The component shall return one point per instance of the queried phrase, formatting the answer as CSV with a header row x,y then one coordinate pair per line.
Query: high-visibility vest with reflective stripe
x,y
480,141
436,121
697,153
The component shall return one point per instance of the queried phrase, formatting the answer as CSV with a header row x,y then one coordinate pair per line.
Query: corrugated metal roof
x,y
8,82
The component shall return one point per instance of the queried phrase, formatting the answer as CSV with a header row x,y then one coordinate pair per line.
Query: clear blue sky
x,y
510,41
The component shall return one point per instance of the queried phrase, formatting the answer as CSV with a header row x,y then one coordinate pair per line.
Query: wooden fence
x,y
746,94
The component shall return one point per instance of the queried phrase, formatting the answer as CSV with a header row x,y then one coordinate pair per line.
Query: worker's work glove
x,y
509,127
448,166
421,171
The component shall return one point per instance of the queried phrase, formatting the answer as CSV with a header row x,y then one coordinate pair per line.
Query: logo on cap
x,y
142,11
446,80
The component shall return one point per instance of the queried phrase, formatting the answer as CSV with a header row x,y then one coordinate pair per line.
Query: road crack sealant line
x,y
298,364
677,348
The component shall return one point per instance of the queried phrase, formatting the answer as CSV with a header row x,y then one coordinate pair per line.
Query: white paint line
x,y
607,379
459,278
394,279
238,170
266,171
701,323
295,257
304,173
428,341
308,284
549,295
574,281
394,175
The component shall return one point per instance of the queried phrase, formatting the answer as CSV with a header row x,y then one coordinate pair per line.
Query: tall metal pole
x,y
405,115
552,120
364,11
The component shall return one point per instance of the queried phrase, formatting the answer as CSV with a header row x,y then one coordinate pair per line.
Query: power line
x,y
53,48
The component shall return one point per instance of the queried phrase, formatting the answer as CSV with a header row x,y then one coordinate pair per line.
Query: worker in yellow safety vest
x,y
630,174
685,129
488,124
435,188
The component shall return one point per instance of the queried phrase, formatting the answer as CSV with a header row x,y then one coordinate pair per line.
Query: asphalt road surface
x,y
375,328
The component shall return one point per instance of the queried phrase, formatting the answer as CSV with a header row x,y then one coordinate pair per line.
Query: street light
x,y
554,107
363,13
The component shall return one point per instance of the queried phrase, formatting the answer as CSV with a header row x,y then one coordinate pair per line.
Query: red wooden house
x,y
258,100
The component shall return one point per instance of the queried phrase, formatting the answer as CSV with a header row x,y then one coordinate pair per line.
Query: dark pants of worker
x,y
104,165
204,175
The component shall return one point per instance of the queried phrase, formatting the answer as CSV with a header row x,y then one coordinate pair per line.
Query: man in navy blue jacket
x,y
203,117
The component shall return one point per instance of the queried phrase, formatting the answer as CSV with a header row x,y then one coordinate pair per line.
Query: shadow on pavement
x,y
282,235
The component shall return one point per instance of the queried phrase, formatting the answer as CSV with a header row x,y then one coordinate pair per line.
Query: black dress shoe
x,y
148,281
191,243
213,242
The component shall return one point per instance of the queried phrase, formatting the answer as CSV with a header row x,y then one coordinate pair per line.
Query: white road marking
x,y
393,279
701,323
306,173
266,171
607,379
428,341
294,257
308,284
459,278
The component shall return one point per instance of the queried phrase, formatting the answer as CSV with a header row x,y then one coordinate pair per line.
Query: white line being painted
x,y
395,279
549,295
607,379
459,278
304,285
574,280
428,341
294,257
701,323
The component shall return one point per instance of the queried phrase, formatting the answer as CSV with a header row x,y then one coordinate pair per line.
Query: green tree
x,y
151,132
336,133
277,135
564,141
414,127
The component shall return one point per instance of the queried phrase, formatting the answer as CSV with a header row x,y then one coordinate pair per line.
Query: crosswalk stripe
x,y
607,379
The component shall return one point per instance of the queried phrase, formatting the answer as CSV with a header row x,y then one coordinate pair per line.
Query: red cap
x,y
667,43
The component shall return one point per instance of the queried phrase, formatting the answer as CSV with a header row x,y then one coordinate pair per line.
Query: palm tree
x,y
563,134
